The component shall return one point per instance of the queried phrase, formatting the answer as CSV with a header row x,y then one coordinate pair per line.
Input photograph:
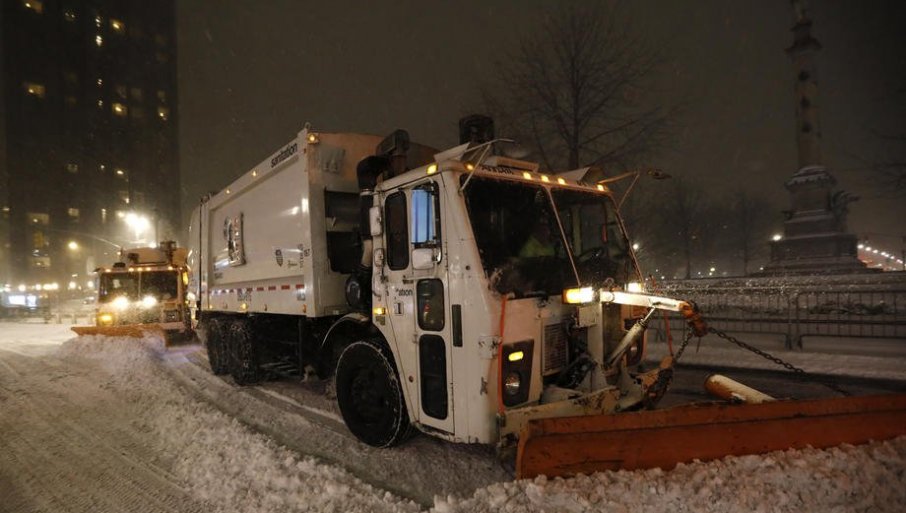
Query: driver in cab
x,y
540,243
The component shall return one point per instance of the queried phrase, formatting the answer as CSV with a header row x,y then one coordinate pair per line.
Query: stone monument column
x,y
815,238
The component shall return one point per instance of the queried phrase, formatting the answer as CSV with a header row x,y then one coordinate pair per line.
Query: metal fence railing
x,y
797,310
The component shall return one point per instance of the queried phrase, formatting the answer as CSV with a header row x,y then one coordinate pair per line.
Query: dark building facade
x,y
88,158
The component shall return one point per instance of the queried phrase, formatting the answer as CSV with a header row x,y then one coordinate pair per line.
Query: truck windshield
x,y
114,285
516,231
161,285
522,248
594,235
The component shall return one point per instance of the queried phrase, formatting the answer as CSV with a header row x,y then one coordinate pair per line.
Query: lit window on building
x,y
163,113
104,215
100,104
100,82
120,172
98,21
69,15
39,218
124,196
102,167
34,5
42,262
73,214
34,89
117,26
5,210
119,109
72,167
99,40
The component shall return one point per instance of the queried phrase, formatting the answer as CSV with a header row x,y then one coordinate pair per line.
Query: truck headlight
x,y
512,383
121,303
149,301
105,319
635,286
516,372
579,296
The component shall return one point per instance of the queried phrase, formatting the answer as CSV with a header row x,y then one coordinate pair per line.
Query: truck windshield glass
x,y
594,235
162,285
114,285
518,239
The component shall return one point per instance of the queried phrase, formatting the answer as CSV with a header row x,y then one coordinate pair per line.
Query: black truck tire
x,y
370,395
215,343
243,360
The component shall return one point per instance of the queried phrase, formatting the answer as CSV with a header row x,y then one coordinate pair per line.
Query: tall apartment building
x,y
88,146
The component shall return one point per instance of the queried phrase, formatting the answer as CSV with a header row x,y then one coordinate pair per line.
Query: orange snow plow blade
x,y
664,438
132,330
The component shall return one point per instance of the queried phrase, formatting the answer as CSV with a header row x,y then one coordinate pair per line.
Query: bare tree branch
x,y
574,88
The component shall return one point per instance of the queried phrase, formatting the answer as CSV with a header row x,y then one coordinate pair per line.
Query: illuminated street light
x,y
138,223
776,237
73,245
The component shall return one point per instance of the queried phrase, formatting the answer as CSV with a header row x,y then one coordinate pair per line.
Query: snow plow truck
x,y
464,293
145,291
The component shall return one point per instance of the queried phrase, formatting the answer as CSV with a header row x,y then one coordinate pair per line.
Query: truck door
x,y
418,299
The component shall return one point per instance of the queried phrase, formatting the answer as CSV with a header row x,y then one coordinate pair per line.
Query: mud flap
x,y
569,446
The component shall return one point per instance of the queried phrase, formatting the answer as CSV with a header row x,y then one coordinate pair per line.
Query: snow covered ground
x,y
124,425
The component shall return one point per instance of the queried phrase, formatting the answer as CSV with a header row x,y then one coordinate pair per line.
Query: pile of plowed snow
x,y
233,468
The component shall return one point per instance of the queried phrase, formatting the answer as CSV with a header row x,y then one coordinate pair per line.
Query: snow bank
x,y
221,462
232,468
865,478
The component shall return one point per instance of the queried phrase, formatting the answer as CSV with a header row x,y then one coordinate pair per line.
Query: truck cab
x,y
479,268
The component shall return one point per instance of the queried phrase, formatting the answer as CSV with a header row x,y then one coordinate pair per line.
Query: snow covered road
x,y
122,425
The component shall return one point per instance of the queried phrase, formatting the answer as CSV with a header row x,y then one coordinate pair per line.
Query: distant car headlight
x,y
121,303
149,301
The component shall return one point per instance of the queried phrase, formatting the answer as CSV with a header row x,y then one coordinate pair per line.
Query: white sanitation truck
x,y
463,292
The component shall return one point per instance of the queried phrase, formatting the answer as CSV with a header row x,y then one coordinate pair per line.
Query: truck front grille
x,y
554,354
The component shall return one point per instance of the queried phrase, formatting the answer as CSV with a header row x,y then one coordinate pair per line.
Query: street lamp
x,y
73,245
138,224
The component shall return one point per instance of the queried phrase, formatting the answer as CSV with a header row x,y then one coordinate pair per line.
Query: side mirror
x,y
423,258
375,222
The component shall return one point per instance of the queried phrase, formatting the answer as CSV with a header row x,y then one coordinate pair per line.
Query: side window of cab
x,y
397,228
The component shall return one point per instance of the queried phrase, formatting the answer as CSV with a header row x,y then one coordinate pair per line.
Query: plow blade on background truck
x,y
130,330
664,438
170,337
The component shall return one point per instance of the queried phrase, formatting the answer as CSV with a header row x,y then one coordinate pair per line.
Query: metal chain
x,y
682,348
755,350
739,343
759,352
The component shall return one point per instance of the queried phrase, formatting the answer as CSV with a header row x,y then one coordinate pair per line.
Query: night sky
x,y
252,73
